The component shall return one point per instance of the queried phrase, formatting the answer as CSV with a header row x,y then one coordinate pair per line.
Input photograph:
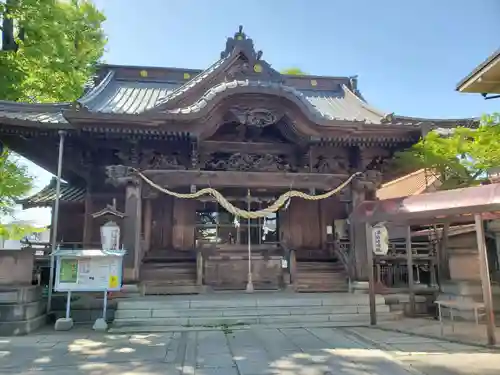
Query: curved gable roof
x,y
184,93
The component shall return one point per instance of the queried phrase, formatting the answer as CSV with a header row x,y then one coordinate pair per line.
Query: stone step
x,y
159,289
321,289
236,311
250,320
242,300
321,276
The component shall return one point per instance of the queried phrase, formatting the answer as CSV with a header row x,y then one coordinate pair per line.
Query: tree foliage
x,y
460,159
293,72
50,48
15,182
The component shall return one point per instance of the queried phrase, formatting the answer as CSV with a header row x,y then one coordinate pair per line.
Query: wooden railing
x,y
391,269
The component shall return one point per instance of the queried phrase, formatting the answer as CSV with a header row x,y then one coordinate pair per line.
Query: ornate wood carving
x,y
151,159
328,160
335,164
371,158
247,162
237,132
259,117
119,174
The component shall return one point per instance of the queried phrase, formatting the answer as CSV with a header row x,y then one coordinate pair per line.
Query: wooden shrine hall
x,y
239,127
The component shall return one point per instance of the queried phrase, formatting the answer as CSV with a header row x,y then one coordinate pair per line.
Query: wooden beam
x,y
485,280
172,179
87,219
246,147
371,276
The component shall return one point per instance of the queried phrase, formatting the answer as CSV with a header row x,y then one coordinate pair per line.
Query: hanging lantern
x,y
110,236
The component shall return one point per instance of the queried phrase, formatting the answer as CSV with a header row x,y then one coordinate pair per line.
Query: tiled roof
x,y
342,104
134,97
414,183
126,96
42,113
46,196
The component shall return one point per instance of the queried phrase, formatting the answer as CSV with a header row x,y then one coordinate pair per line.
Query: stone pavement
x,y
300,351
464,331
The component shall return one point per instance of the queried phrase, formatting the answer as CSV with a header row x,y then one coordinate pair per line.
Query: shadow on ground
x,y
300,351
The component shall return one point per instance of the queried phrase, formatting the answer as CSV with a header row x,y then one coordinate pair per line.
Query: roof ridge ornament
x,y
249,64
240,39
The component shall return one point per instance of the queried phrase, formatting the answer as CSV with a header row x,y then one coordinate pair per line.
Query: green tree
x,y
49,49
460,158
15,182
293,72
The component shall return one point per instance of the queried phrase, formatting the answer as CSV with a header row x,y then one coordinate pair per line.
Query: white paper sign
x,y
380,238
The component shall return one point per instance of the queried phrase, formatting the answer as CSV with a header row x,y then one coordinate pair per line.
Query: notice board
x,y
88,274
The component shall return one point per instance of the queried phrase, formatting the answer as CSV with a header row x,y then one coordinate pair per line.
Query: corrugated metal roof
x,y
47,195
411,184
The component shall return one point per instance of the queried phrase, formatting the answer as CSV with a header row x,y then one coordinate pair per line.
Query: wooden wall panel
x,y
162,225
330,209
284,225
303,224
184,217
70,223
300,225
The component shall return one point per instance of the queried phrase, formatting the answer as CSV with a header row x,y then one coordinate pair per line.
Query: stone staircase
x,y
165,273
320,276
231,310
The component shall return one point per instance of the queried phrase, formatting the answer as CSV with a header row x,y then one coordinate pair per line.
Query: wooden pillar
x,y
293,268
485,280
148,221
443,258
409,265
132,231
371,276
199,268
358,240
87,219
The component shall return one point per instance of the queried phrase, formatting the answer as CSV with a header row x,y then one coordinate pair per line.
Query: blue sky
x,y
409,55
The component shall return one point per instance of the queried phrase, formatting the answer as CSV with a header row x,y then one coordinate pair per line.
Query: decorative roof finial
x,y
240,35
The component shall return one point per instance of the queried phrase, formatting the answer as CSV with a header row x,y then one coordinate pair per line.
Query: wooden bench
x,y
459,306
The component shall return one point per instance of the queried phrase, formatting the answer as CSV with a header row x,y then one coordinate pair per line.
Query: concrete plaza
x,y
227,351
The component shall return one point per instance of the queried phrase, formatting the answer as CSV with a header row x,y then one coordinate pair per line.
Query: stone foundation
x,y
468,291
22,310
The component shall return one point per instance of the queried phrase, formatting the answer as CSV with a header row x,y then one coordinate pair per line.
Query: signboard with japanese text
x,y
88,273
380,238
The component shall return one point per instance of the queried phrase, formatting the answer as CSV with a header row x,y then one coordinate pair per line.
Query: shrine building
x,y
239,127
